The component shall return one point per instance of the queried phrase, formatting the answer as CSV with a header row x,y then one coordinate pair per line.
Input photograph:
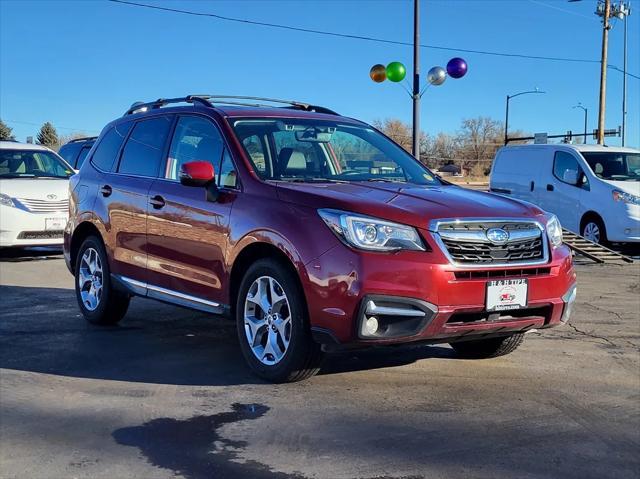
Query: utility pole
x,y
624,10
605,13
416,79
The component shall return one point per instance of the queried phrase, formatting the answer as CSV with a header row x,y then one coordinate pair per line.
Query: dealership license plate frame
x,y
55,223
518,287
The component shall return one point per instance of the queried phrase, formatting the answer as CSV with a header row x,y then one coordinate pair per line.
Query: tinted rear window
x,y
109,146
142,153
69,152
83,155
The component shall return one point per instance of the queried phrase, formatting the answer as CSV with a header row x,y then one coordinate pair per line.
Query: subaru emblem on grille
x,y
52,197
497,235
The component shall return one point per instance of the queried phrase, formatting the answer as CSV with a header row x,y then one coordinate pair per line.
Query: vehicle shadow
x,y
41,330
30,254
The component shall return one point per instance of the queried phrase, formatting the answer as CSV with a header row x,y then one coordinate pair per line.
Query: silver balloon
x,y
436,76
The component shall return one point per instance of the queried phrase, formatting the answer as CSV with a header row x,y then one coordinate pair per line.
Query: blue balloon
x,y
457,67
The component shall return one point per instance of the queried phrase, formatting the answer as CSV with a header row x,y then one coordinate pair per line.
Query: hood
x,y
632,187
36,188
413,205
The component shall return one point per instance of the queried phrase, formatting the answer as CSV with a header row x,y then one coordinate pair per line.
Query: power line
x,y
355,37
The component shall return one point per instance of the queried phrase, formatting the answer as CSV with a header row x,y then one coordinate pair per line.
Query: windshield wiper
x,y
387,180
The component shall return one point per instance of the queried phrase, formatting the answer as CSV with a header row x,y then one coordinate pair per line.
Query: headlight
x,y
6,200
626,197
370,233
554,230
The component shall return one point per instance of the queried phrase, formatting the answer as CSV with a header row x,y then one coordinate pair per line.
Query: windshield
x,y
324,151
616,166
32,164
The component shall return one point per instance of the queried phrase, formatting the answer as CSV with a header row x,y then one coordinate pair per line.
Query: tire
x,y
593,229
488,348
109,305
276,343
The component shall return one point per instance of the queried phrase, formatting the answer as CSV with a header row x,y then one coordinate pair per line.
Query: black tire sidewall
x,y
300,342
98,315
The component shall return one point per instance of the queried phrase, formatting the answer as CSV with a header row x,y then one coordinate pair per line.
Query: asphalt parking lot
x,y
166,394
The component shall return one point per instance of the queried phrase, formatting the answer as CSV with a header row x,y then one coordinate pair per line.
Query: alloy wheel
x,y
90,279
267,320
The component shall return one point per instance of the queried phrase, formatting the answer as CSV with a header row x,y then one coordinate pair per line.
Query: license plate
x,y
54,224
506,294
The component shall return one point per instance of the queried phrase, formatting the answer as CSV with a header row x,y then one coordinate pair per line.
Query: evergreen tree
x,y
48,136
5,132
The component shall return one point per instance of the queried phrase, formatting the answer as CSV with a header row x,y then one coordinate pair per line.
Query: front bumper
x,y
22,228
342,282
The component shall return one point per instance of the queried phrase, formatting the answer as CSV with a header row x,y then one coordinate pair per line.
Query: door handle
x,y
106,191
157,202
550,188
532,185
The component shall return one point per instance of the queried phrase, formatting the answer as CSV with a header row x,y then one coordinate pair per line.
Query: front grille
x,y
41,234
502,273
467,243
44,206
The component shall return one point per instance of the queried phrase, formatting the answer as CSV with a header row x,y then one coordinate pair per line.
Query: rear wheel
x,y
488,348
273,325
99,302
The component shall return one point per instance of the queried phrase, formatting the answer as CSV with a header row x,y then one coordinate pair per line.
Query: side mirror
x,y
571,177
196,173
200,173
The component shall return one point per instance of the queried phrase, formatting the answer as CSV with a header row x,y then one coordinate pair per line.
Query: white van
x,y
594,190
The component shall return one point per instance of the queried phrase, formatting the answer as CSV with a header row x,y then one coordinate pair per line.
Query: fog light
x,y
371,325
569,300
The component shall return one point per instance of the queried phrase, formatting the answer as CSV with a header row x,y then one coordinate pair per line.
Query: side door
x,y
125,195
187,233
558,195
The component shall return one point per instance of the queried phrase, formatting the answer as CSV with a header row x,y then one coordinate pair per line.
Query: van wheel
x,y
488,348
273,324
99,302
594,230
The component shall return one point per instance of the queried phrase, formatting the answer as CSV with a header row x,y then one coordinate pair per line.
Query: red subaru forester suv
x,y
313,231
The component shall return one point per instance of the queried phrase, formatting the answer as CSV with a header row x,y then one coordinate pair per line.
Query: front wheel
x,y
594,230
273,324
99,302
488,348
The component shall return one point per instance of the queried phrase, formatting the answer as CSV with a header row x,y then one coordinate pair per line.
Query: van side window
x,y
142,153
195,139
109,146
563,162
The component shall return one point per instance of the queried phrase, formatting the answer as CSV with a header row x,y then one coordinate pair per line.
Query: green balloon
x,y
396,71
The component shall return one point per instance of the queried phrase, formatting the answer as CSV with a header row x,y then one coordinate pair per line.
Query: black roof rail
x,y
82,138
230,100
212,100
160,102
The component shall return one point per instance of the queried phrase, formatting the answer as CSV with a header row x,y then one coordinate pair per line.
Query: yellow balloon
x,y
378,73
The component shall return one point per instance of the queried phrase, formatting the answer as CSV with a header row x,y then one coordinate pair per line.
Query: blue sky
x,y
80,64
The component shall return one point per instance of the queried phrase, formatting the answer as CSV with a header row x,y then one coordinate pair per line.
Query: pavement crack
x,y
617,315
591,335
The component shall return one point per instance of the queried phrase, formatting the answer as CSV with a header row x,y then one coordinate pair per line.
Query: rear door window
x,y
108,148
142,154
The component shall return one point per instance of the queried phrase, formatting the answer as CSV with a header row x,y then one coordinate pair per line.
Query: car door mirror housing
x,y
197,173
571,176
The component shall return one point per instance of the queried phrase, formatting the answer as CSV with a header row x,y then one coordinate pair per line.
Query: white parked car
x,y
34,195
594,190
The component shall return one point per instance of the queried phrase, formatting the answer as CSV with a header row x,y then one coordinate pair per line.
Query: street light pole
x,y
506,117
416,79
585,120
625,9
